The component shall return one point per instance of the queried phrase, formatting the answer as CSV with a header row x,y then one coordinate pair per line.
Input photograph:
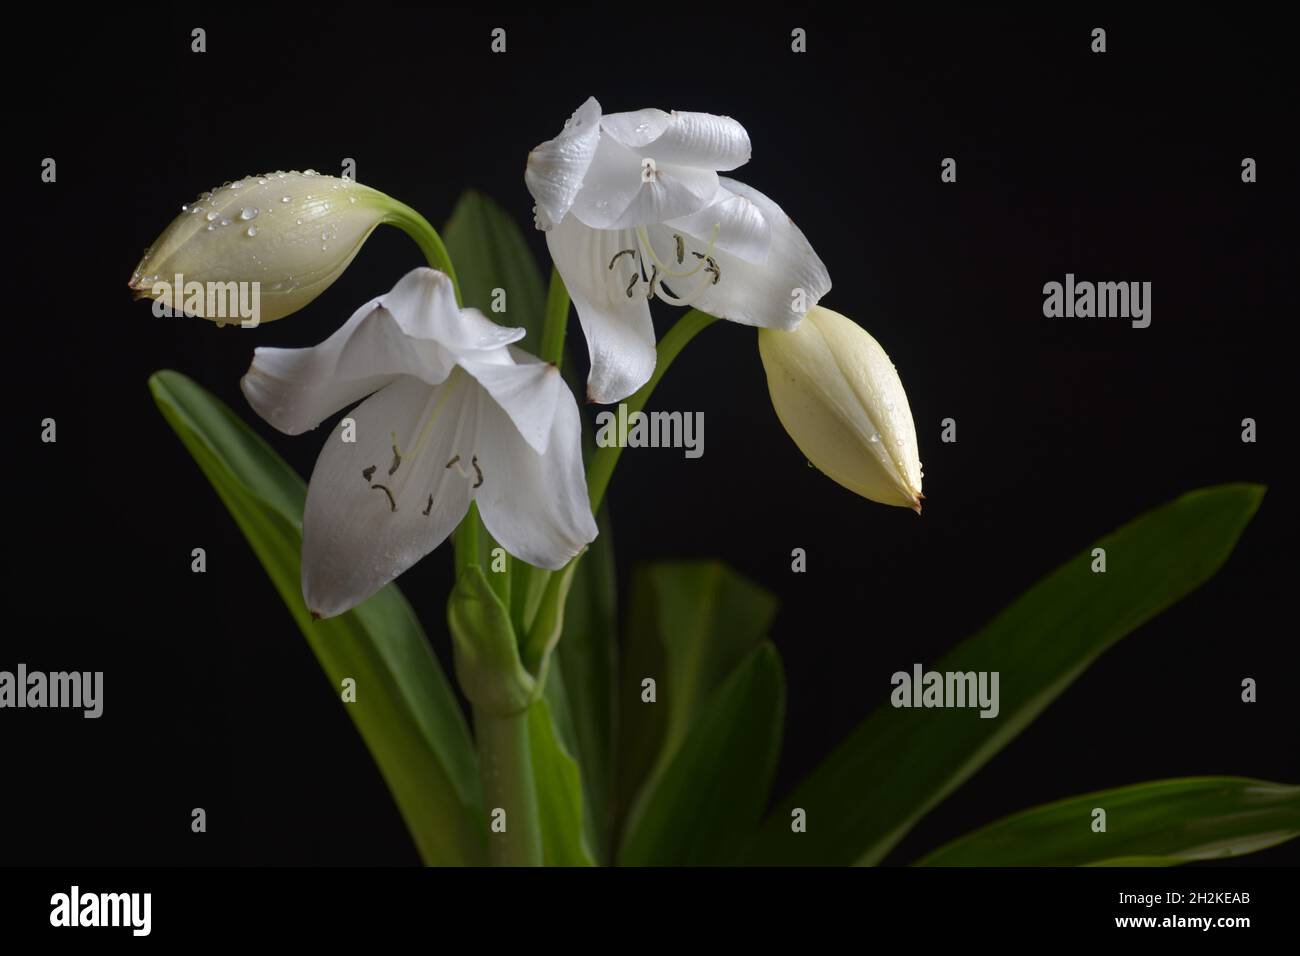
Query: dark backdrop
x,y
1117,166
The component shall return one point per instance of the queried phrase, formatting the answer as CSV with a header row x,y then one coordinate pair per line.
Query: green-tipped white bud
x,y
289,233
839,397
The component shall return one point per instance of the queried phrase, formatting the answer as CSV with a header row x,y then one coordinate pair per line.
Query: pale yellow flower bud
x,y
839,397
290,233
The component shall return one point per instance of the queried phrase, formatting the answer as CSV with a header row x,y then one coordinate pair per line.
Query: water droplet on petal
x,y
212,216
247,213
252,231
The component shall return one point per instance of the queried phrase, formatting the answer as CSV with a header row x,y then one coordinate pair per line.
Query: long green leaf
x,y
710,796
587,653
1162,823
404,708
899,763
690,626
559,787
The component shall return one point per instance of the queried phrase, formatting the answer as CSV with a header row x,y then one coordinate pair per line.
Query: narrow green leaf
x,y
490,253
405,710
900,762
1161,823
690,625
704,805
559,790
587,653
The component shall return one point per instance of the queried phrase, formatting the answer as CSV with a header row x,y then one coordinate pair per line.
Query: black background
x,y
1122,166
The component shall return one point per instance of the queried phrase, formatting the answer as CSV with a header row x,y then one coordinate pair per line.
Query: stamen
x,y
643,239
636,277
428,507
397,455
621,252
384,488
654,277
479,471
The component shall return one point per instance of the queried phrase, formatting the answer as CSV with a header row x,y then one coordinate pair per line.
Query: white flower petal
x,y
690,139
424,304
620,335
416,329
296,389
761,295
743,230
617,193
526,389
354,542
556,168
535,505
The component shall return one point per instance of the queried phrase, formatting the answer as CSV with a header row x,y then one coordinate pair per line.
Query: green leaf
x,y
559,788
490,253
709,798
1161,823
587,653
405,710
900,762
690,626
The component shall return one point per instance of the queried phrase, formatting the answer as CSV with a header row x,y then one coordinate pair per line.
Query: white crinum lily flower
x,y
633,208
455,414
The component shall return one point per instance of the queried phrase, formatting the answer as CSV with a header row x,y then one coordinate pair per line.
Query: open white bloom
x,y
455,414
633,208
841,400
292,233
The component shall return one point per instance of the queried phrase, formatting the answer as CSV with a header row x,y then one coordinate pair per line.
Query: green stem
x,y
601,467
557,318
426,237
506,768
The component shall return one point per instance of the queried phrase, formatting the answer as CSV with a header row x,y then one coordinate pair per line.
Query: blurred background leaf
x,y
405,709
490,253
900,762
697,629
1161,823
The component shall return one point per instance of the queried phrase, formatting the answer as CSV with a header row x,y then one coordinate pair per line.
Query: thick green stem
x,y
506,768
557,318
601,467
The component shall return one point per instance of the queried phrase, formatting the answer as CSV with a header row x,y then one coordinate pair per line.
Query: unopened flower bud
x,y
287,234
839,397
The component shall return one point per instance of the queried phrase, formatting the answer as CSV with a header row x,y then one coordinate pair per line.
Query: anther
x,y
636,277
681,248
428,507
453,461
654,277
384,488
621,252
369,472
477,470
